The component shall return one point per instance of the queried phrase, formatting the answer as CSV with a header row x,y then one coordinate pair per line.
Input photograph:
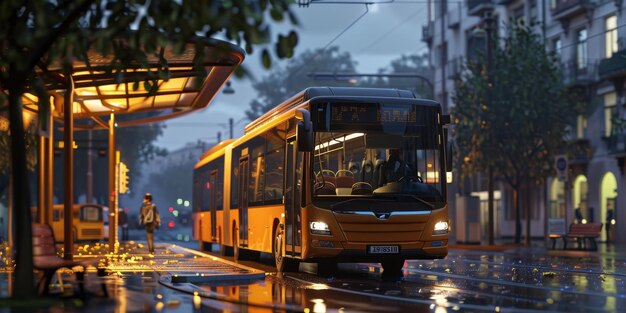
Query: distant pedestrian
x,y
149,216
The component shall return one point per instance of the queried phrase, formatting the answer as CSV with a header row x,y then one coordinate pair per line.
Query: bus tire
x,y
392,268
283,264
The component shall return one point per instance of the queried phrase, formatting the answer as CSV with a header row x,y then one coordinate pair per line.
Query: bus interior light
x,y
441,228
319,228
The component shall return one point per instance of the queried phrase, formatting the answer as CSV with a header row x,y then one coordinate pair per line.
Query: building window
x,y
518,15
581,127
610,100
610,36
557,45
581,48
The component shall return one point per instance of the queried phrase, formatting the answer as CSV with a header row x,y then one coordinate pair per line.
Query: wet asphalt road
x,y
468,280
518,280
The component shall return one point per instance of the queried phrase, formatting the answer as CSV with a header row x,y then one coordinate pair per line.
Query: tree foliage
x,y
520,121
175,180
37,34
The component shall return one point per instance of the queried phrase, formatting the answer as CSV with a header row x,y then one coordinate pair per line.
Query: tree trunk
x,y
23,285
528,195
518,224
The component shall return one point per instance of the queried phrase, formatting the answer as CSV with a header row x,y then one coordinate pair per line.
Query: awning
x,y
98,92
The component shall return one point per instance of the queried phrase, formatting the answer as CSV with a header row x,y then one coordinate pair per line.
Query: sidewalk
x,y
136,281
182,264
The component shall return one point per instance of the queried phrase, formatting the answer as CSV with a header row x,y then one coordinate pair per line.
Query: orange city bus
x,y
309,181
88,221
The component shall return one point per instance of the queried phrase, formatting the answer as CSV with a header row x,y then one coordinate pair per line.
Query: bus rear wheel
x,y
283,264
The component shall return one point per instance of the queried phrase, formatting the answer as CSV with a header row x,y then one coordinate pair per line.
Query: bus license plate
x,y
384,249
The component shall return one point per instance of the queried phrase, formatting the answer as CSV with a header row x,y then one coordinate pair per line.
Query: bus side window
x,y
56,215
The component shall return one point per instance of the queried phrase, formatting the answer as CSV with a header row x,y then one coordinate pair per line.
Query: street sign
x,y
561,165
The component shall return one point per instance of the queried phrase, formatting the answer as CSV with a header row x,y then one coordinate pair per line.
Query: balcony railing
x,y
478,7
579,74
616,141
565,9
613,66
428,31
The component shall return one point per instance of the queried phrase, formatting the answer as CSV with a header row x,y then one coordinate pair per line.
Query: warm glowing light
x,y
338,140
319,287
584,221
197,301
612,221
319,306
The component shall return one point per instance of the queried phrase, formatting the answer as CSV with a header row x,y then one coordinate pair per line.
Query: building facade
x,y
589,36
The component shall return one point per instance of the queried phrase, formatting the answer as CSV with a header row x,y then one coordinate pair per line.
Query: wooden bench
x,y
46,260
583,233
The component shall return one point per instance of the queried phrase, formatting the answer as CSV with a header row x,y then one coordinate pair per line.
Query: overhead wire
x,y
377,40
330,42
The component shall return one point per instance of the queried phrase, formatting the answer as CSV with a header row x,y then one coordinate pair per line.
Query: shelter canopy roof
x,y
98,91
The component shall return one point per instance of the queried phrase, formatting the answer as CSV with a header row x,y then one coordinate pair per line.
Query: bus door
x,y
243,201
213,201
293,211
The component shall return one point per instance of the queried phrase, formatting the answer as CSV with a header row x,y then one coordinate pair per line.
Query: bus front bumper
x,y
360,252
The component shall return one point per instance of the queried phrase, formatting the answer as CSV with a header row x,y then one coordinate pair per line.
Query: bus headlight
x,y
319,228
441,228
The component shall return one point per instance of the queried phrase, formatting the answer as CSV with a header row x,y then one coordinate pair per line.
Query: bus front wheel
x,y
283,264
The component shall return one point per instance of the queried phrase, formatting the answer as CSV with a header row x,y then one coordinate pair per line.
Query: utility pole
x,y
230,128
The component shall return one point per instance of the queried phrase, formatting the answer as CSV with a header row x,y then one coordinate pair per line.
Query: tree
x,y
37,34
524,125
175,180
284,82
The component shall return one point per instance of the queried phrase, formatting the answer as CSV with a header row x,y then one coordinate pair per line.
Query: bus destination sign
x,y
355,113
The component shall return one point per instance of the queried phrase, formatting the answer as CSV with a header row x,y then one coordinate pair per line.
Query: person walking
x,y
149,216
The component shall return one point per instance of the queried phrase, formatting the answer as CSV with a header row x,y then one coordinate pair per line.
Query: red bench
x,y
46,260
583,233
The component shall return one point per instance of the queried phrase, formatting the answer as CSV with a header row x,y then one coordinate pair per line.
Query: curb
x,y
252,273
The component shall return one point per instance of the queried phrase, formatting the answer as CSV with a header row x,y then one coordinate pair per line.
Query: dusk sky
x,y
385,33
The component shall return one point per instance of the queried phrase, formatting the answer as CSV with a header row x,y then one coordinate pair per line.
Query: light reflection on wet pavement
x,y
518,280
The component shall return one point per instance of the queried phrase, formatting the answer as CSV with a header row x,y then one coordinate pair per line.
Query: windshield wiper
x,y
430,205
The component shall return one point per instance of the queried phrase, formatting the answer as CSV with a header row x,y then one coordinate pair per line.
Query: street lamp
x,y
350,77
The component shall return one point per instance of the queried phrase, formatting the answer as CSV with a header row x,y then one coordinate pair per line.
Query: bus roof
x,y
218,147
313,92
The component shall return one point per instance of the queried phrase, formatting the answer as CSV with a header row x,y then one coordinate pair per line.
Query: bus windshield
x,y
380,165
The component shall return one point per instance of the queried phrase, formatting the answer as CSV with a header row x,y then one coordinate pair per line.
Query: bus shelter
x,y
92,95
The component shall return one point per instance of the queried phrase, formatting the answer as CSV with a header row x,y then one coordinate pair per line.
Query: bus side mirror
x,y
304,131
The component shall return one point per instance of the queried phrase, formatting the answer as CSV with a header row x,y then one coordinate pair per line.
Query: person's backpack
x,y
149,217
